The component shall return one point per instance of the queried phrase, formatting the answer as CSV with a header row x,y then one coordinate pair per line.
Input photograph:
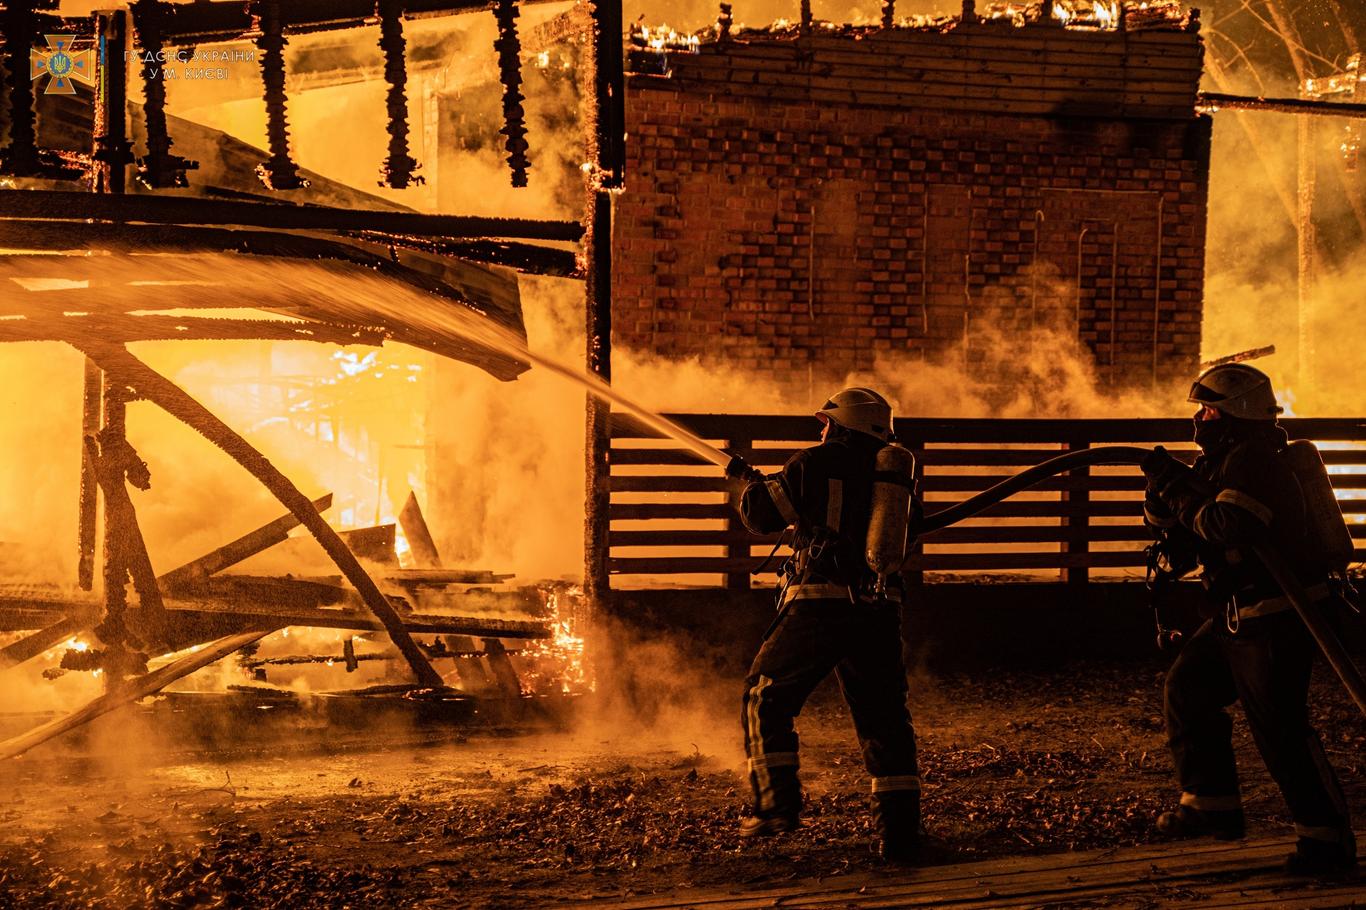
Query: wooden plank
x,y
1137,56
690,538
986,562
933,483
1009,458
131,691
1108,508
670,484
230,554
30,646
418,535
972,483
361,621
966,430
957,534
176,210
1203,873
1143,60
683,565
643,511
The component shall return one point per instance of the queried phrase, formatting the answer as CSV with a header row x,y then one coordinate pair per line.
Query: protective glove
x,y
1157,463
739,469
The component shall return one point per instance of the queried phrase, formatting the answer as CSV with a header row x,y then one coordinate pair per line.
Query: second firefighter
x,y
836,614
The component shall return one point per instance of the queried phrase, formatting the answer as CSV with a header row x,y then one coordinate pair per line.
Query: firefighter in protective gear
x,y
1252,647
831,618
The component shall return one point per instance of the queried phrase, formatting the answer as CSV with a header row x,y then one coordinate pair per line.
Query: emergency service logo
x,y
62,65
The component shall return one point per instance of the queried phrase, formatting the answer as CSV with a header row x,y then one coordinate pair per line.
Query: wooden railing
x,y
673,515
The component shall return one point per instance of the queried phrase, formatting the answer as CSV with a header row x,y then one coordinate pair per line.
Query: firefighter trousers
x,y
1266,666
862,644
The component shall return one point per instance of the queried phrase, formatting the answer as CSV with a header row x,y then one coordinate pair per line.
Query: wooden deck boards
x,y
1204,874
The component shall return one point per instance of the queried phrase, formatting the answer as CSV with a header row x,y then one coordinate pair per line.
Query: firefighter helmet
x,y
861,410
1236,390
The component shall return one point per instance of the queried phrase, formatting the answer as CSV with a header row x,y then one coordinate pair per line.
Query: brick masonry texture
x,y
759,231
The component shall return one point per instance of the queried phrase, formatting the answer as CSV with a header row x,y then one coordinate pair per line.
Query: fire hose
x,y
1313,619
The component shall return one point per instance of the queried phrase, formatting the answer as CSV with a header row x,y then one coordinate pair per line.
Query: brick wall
x,y
762,222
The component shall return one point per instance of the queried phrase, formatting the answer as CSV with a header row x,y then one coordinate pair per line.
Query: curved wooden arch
x,y
146,383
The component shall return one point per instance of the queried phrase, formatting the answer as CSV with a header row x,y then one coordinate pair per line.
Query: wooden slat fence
x,y
672,514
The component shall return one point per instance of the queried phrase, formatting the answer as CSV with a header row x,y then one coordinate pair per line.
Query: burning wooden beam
x,y
186,210
419,536
156,388
1250,354
244,547
130,692
1214,101
30,646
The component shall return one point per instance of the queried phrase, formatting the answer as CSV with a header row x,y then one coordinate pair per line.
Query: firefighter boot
x,y
777,804
1188,821
896,816
1322,857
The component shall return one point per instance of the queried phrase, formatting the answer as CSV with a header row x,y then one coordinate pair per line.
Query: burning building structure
x,y
816,196
109,240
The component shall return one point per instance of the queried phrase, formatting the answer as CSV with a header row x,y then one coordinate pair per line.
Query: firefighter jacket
x,y
825,494
1239,491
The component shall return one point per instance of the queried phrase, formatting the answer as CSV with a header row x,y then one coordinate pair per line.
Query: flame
x,y
1285,397
557,663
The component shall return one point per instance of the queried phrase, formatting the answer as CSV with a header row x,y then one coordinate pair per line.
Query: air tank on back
x,y
1328,533
893,482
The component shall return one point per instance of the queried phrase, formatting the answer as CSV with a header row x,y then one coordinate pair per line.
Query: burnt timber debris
x,y
199,605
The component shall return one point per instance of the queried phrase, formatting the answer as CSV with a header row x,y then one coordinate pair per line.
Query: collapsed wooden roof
x,y
67,277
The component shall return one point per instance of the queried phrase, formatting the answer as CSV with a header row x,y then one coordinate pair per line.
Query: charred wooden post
x,y
112,151
112,630
399,166
598,444
159,169
152,386
888,13
125,549
723,23
805,29
87,519
610,158
279,172
509,48
20,28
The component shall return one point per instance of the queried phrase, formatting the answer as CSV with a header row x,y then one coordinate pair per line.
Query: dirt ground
x,y
1013,764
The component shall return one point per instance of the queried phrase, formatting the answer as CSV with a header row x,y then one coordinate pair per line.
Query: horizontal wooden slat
x,y
690,538
643,511
990,561
676,484
706,565
973,483
1003,561
957,534
1110,508
971,430
681,565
